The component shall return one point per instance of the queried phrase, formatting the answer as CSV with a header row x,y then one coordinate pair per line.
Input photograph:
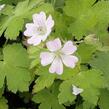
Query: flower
x,y
40,28
77,90
58,55
2,6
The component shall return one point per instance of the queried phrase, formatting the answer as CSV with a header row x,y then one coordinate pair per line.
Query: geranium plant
x,y
54,54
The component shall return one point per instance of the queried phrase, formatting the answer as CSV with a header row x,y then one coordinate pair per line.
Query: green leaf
x,y
85,52
7,10
65,94
83,25
43,81
15,68
85,105
73,9
48,99
84,19
90,81
16,24
101,62
3,103
89,18
61,25
104,99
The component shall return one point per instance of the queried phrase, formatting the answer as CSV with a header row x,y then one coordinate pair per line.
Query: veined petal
x,y
29,29
77,90
43,15
50,22
34,40
39,19
37,41
69,48
69,60
56,66
54,45
46,58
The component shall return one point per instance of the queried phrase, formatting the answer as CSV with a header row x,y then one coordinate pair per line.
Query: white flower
x,y
58,55
77,90
40,28
2,6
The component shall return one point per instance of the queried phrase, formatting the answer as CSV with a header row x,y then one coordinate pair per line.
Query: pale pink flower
x,y
40,28
77,90
58,55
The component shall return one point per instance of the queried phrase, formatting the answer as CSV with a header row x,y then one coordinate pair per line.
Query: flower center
x,y
41,30
58,53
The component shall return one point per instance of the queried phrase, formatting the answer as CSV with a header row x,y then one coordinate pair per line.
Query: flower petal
x,y
69,48
69,60
37,41
31,30
33,40
56,66
46,58
50,22
77,90
54,45
39,19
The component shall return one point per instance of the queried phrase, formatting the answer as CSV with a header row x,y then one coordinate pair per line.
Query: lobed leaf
x,y
14,68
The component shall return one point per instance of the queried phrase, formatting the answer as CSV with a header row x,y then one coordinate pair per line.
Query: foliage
x,y
103,102
90,81
86,23
15,68
48,98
